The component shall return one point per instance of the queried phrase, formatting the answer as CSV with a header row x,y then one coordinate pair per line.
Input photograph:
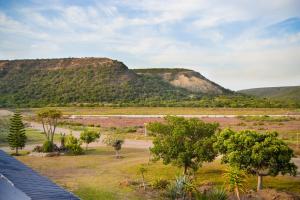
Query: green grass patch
x,y
33,137
98,174
91,193
266,118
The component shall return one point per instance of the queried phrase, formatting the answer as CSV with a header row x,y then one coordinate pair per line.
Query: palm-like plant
x,y
235,180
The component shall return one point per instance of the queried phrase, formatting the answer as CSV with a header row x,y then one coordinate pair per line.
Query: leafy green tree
x,y
116,142
16,137
49,119
183,142
260,154
88,136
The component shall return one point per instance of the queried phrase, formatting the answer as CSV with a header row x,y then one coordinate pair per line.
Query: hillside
x,y
103,81
80,80
291,93
185,78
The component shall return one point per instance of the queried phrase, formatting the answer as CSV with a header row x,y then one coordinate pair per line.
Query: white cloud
x,y
144,33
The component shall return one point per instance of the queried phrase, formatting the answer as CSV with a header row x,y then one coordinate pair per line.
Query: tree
x,y
49,119
183,142
142,169
16,137
116,142
88,136
259,154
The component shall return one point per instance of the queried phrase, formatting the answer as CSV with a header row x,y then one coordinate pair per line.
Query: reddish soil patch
x,y
116,121
234,123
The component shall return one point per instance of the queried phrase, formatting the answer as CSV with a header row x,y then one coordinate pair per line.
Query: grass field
x,y
33,137
169,111
98,175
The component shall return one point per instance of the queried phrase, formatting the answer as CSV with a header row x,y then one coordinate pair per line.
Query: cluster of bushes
x,y
266,118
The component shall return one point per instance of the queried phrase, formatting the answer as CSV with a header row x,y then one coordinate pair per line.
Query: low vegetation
x,y
266,118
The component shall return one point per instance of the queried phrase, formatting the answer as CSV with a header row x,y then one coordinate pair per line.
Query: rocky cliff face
x,y
187,79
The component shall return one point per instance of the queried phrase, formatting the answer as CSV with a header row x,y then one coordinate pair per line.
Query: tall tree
x,y
183,142
260,154
16,137
49,119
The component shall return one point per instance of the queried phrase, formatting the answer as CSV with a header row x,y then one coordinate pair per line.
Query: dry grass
x,y
97,174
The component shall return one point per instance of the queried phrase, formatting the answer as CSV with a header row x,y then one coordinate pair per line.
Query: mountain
x,y
40,82
290,93
185,78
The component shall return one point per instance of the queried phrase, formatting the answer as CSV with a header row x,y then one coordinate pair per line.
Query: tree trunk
x,y
185,170
17,151
144,186
117,154
236,189
86,146
259,182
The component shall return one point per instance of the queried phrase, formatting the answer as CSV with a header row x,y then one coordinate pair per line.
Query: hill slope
x,y
185,78
80,80
291,93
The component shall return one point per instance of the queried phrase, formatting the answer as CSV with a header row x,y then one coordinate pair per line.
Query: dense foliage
x,y
4,129
73,145
30,84
291,93
260,154
183,142
88,82
16,137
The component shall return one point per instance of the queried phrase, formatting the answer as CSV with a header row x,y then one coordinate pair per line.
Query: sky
x,y
236,43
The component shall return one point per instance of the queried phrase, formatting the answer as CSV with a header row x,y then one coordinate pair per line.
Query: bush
x,y
38,149
47,146
73,145
160,184
181,188
216,194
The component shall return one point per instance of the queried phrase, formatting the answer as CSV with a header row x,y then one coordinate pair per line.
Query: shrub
x,y
38,149
160,184
73,145
88,136
181,188
47,146
216,194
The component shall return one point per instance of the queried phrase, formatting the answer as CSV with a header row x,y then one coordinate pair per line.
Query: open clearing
x,y
99,175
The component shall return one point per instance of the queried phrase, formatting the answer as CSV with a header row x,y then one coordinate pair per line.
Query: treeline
x,y
205,102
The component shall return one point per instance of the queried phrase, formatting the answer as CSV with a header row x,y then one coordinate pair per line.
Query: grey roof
x,y
29,182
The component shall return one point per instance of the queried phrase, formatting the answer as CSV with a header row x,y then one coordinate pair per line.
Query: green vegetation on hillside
x,y
34,84
291,93
105,82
